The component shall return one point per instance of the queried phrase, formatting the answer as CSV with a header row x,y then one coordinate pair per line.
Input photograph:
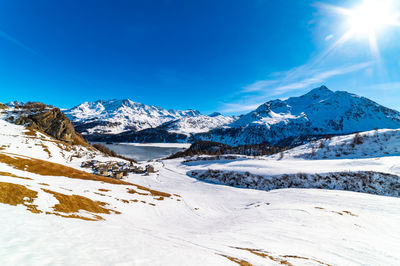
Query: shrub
x,y
321,144
358,139
104,150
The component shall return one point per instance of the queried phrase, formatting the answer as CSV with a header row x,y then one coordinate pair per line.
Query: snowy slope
x,y
117,116
319,112
53,214
369,144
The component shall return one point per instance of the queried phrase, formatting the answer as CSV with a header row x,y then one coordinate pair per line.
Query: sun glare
x,y
368,19
371,16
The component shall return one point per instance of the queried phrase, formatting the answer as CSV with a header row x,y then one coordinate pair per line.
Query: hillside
x,y
369,144
52,210
44,118
319,112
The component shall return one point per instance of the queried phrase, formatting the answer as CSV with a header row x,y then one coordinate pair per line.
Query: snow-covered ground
x,y
51,214
368,144
299,226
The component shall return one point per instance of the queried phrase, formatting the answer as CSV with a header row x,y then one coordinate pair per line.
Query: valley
x,y
333,200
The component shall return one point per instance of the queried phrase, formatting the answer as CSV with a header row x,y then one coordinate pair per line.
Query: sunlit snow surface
x,y
204,223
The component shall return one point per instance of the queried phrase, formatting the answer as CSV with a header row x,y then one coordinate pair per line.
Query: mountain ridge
x,y
315,114
318,112
121,116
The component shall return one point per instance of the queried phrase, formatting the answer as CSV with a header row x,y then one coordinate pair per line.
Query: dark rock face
x,y
151,135
47,119
215,148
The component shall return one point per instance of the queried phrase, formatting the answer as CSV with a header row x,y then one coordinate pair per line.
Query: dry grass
x,y
12,175
236,260
14,194
45,168
70,204
132,191
154,193
41,167
279,258
46,149
339,213
350,213
30,132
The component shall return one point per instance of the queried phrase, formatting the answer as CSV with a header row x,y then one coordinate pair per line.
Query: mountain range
x,y
320,112
124,116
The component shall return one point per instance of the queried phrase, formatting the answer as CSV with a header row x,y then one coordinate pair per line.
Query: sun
x,y
367,19
371,16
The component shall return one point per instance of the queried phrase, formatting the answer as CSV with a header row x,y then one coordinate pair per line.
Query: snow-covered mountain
x,y
118,116
197,124
317,113
47,199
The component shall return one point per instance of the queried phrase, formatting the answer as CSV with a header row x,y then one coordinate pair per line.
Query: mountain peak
x,y
319,92
215,114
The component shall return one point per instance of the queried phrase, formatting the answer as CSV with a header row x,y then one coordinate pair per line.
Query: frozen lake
x,y
146,151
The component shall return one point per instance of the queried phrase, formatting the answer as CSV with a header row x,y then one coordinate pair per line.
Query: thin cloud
x,y
16,42
320,77
230,108
298,78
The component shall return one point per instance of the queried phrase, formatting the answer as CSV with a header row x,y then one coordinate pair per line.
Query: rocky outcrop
x,y
3,106
47,119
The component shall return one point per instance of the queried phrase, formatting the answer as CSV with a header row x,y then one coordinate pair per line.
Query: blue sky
x,y
210,55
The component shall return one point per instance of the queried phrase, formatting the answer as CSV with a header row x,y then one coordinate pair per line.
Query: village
x,y
116,170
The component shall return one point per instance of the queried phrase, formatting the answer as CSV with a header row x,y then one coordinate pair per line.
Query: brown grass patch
x,y
160,195
44,184
13,194
70,204
41,167
45,149
30,132
339,213
305,258
264,254
279,258
132,191
103,190
12,175
236,260
350,213
54,169
154,193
